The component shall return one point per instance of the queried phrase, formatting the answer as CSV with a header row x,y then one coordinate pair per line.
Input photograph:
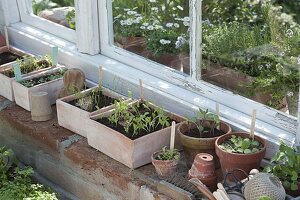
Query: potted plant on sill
x,y
48,81
241,150
131,132
165,162
83,104
198,135
285,164
29,65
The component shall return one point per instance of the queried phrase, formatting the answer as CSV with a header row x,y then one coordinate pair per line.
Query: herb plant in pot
x,y
165,162
198,135
286,166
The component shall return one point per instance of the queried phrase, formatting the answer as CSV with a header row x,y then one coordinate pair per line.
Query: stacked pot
x,y
203,168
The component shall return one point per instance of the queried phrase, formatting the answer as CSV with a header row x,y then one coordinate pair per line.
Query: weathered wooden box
x,y
6,82
132,153
23,94
77,123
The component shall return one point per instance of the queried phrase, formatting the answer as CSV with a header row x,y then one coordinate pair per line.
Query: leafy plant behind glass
x,y
205,119
286,165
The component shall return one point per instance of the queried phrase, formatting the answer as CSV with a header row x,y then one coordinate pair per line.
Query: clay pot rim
x,y
153,158
246,134
208,139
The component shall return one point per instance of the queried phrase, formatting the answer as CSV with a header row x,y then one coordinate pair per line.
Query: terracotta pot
x,y
135,45
203,169
246,162
293,193
233,80
164,168
172,61
192,146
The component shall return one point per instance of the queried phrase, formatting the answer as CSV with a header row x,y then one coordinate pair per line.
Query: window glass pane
x,y
57,11
252,47
154,29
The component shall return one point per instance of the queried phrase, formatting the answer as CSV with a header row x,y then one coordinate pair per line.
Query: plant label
x,y
17,71
54,56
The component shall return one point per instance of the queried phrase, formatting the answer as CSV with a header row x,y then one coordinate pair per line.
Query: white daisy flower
x,y
164,42
150,28
169,25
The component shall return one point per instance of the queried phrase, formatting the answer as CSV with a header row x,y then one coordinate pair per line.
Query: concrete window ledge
x,y
66,159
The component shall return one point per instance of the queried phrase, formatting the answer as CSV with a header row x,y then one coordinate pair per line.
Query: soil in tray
x,y
42,79
93,101
27,68
7,57
120,128
207,133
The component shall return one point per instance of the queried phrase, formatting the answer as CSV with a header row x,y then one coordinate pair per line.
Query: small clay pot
x,y
164,168
245,162
203,168
192,146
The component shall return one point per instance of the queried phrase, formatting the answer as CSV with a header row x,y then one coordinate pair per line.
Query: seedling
x,y
241,145
168,154
205,119
138,117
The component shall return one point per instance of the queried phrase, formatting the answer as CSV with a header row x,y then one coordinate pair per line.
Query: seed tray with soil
x,y
132,148
48,81
83,105
9,54
141,110
28,67
7,57
43,79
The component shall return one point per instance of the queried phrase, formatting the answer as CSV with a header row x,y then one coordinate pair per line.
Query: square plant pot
x,y
6,81
66,108
132,153
23,94
9,55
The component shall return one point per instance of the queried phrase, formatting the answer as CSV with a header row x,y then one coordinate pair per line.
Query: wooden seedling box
x,y
6,82
132,153
23,94
77,123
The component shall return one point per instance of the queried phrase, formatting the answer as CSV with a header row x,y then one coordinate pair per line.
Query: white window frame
x,y
193,82
27,16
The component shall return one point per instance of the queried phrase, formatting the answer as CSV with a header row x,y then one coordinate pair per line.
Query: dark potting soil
x,y
42,79
120,128
7,57
207,133
25,70
98,100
